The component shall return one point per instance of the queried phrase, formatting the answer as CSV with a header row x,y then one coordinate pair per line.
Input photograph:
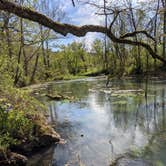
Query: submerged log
x,y
59,97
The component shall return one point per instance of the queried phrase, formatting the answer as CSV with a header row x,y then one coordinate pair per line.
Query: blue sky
x,y
81,14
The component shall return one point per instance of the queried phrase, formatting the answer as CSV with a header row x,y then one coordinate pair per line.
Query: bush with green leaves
x,y
14,125
5,141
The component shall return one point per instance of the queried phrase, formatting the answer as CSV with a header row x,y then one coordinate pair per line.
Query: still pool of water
x,y
104,123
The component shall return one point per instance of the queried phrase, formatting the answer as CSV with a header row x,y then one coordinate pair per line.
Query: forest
x,y
119,44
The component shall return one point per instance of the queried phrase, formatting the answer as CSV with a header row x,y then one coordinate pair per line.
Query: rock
x,y
18,159
13,159
59,97
37,144
128,161
55,97
48,139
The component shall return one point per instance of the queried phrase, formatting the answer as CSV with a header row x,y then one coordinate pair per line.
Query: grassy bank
x,y
23,126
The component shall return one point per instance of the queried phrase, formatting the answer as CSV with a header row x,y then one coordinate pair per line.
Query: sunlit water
x,y
104,123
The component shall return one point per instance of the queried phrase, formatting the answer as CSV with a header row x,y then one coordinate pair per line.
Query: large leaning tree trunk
x,y
79,31
164,27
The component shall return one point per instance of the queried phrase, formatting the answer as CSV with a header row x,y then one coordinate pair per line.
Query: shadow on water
x,y
107,122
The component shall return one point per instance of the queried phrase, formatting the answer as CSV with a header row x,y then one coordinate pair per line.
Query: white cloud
x,y
83,14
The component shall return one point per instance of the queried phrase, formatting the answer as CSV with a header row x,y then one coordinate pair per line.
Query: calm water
x,y
106,122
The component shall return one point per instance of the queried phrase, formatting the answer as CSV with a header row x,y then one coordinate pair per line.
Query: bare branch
x,y
137,32
114,19
64,29
99,6
73,3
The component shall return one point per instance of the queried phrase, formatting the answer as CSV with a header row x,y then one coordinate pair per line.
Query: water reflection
x,y
103,125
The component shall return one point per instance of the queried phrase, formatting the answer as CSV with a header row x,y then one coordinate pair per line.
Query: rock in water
x,y
13,159
127,161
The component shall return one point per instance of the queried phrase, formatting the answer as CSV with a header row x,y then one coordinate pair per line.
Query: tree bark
x,y
6,19
164,29
42,45
34,69
64,29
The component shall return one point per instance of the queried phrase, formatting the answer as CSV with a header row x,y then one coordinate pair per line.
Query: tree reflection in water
x,y
105,123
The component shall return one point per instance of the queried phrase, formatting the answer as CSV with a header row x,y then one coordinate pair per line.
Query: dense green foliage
x,y
28,50
27,56
17,112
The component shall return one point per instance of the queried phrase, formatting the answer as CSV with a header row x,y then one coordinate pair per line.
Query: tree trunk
x,y
42,45
17,75
34,69
164,38
7,32
79,31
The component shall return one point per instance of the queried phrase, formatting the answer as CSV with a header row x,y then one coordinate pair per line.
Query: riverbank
x,y
30,132
158,73
24,128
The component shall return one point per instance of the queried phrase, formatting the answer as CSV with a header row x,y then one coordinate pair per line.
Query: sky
x,y
81,14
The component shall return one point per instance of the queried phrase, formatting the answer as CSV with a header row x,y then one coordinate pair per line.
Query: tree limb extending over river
x,y
79,31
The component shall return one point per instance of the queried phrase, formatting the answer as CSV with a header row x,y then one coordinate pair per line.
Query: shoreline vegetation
x,y
24,126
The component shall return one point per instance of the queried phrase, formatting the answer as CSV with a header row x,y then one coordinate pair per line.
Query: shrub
x,y
14,125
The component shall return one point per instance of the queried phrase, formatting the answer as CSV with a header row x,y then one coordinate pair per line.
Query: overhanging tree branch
x,y
64,29
137,32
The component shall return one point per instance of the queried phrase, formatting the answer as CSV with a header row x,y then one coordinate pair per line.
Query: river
x,y
104,123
